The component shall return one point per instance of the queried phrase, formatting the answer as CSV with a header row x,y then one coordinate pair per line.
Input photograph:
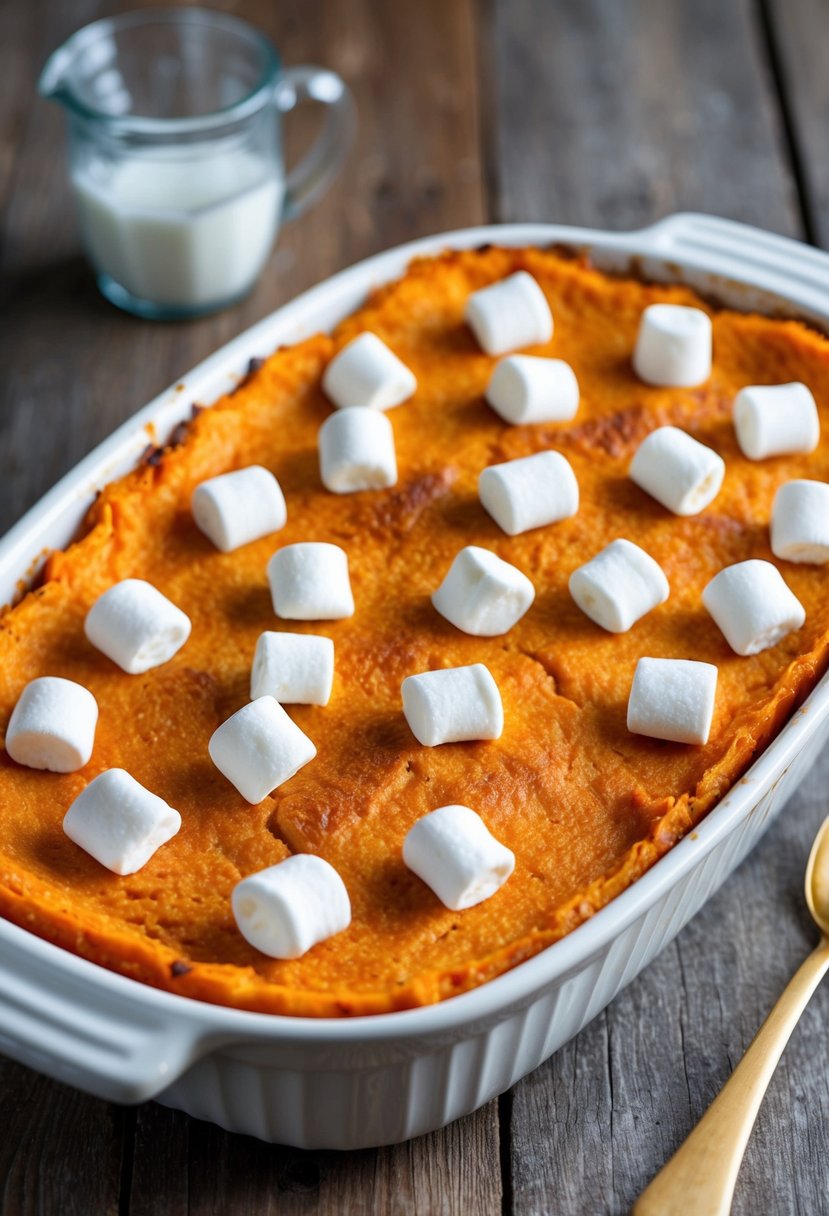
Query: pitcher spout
x,y
53,82
82,74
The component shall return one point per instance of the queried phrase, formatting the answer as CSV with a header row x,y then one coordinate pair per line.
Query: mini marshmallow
x,y
776,420
136,626
453,705
53,725
526,388
529,492
366,373
752,606
259,748
309,582
119,822
619,586
356,450
294,668
800,522
482,594
453,852
672,699
673,347
236,508
678,471
510,314
285,910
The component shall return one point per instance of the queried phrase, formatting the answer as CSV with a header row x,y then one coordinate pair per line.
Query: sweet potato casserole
x,y
585,805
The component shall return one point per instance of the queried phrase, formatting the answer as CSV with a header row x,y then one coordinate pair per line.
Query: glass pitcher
x,y
175,153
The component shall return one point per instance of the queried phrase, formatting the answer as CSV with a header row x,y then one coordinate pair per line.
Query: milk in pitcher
x,y
185,232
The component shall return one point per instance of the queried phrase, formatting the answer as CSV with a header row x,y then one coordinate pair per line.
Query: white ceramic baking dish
x,y
374,1080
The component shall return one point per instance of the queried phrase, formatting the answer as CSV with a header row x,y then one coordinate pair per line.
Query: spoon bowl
x,y
817,879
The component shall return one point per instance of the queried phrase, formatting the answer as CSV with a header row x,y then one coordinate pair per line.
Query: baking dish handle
x,y
725,247
116,1047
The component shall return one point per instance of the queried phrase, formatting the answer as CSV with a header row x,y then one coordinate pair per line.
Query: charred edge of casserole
x,y
154,453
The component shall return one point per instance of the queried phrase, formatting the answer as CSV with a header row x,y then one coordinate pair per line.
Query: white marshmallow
x,y
678,471
294,668
52,726
673,347
800,522
529,492
510,314
259,748
453,705
136,626
526,388
366,373
285,910
618,586
453,852
482,594
236,508
672,699
356,450
309,582
752,606
776,420
119,822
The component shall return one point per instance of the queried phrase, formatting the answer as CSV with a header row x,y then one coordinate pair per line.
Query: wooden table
x,y
606,112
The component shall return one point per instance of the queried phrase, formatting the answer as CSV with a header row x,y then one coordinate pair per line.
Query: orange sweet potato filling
x,y
585,806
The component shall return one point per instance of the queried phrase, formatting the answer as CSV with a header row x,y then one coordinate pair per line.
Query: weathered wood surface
x,y
797,33
647,109
203,1170
606,112
614,114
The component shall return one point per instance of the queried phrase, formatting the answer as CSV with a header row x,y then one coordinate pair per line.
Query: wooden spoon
x,y
699,1179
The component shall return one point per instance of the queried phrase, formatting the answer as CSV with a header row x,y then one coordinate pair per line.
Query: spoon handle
x,y
699,1179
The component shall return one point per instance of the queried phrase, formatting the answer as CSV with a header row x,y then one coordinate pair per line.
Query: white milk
x,y
182,232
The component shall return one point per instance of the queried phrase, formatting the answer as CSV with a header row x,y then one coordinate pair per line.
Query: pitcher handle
x,y
308,180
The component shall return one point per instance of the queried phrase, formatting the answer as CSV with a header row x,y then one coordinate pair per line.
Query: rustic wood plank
x,y
763,930
615,114
182,1166
799,30
60,1151
75,367
593,1125
648,108
159,1182
17,33
416,166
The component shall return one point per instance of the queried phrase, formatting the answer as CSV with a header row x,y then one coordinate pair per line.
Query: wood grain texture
x,y
593,1125
184,1166
650,107
76,368
610,112
614,114
702,1175
60,1151
798,31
